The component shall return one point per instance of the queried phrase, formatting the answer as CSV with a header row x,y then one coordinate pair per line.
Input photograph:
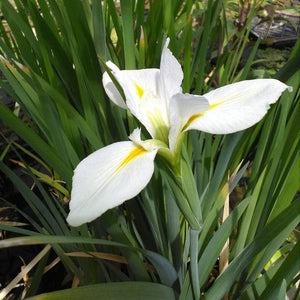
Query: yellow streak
x,y
196,116
139,90
193,118
132,155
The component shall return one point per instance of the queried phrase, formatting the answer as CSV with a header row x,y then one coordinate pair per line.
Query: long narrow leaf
x,y
113,291
278,229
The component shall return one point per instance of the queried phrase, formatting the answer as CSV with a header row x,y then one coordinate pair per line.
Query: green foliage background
x,y
53,55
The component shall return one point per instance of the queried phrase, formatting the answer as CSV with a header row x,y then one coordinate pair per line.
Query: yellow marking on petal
x,y
193,118
139,90
132,155
196,116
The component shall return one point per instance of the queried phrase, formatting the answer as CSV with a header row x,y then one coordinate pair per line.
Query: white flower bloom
x,y
148,93
118,172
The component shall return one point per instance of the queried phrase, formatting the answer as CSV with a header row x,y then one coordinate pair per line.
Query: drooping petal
x,y
171,74
184,108
112,92
237,106
107,178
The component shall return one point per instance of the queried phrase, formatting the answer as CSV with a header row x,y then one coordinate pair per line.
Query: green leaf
x,y
288,269
39,239
292,66
37,143
215,245
277,230
247,219
113,291
180,197
128,34
99,33
51,220
164,268
281,293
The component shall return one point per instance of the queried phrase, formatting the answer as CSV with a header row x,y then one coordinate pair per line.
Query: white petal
x,y
135,136
136,82
171,74
153,114
107,178
238,106
112,66
150,144
112,92
133,82
183,109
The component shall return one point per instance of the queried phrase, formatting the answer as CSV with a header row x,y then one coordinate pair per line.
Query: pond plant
x,y
115,106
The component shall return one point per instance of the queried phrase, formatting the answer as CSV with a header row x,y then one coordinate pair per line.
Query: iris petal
x,y
171,74
183,109
107,178
112,92
237,106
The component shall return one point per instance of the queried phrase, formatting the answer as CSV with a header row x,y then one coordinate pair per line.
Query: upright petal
x,y
107,178
136,82
184,108
133,82
171,74
141,92
153,114
237,106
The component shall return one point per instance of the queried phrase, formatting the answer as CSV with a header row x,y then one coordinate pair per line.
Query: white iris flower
x,y
118,172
